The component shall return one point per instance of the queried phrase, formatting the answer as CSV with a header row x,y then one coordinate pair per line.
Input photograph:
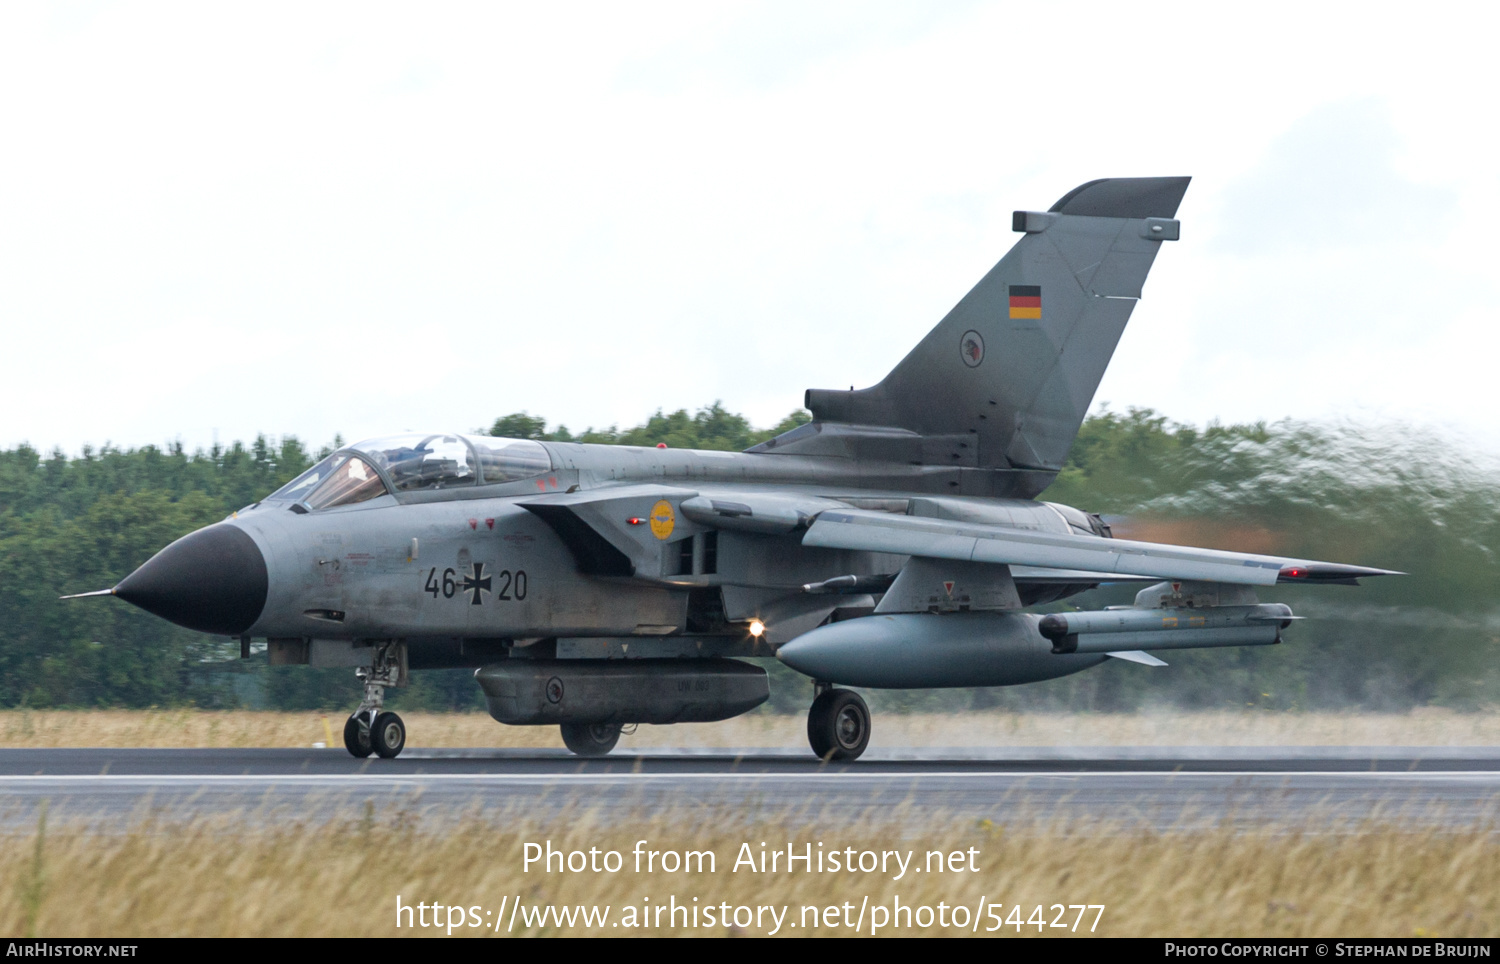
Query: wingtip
x,y
85,595
1329,573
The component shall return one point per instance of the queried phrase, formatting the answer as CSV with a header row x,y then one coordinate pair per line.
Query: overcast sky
x,y
320,218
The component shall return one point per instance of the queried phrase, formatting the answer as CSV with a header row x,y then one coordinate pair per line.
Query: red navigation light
x,y
1293,572
635,520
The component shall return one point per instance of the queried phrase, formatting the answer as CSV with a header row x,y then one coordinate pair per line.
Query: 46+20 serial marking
x,y
513,585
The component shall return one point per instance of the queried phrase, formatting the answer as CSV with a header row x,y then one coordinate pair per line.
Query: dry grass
x,y
226,877
199,728
216,878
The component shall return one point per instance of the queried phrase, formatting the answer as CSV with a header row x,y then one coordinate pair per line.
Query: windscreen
x,y
352,480
303,485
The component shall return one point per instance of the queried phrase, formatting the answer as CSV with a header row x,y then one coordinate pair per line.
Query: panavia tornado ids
x,y
893,541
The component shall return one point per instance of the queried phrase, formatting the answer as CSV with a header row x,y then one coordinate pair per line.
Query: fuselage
x,y
594,542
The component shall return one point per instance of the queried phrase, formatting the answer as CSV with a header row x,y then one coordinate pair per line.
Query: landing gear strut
x,y
838,725
370,729
591,739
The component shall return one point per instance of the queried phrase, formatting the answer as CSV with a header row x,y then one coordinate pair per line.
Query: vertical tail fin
x,y
1004,381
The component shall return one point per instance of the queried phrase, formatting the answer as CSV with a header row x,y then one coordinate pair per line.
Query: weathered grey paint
x,y
524,691
931,651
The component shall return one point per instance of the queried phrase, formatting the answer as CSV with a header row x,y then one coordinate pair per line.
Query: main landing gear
x,y
838,725
372,729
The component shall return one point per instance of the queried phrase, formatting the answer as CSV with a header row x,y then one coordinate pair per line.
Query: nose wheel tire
x,y
357,737
838,725
591,739
388,735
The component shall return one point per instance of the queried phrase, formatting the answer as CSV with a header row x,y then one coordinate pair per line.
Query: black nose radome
x,y
212,580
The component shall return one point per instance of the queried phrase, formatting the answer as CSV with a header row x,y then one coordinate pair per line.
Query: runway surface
x,y
1163,787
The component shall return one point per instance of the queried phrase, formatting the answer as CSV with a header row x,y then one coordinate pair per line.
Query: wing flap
x,y
969,542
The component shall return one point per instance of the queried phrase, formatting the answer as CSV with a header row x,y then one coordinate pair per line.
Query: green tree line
x,y
1386,497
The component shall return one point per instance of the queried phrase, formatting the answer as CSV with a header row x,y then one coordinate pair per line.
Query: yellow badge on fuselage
x,y
662,519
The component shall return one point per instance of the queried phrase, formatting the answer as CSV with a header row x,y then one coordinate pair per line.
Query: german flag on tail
x,y
1026,301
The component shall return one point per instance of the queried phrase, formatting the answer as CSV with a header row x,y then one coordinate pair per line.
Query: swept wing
x,y
974,542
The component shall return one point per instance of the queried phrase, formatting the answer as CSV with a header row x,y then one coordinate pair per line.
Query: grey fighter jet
x,y
893,541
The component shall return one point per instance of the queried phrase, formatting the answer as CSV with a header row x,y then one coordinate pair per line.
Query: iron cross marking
x,y
476,582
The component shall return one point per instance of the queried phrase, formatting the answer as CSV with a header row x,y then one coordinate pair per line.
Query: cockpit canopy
x,y
414,462
409,463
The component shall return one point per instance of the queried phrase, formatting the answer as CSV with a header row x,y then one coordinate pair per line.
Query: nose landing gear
x,y
370,729
357,735
838,724
388,735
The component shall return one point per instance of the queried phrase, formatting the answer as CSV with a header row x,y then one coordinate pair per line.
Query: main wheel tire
x,y
591,739
838,725
388,735
357,738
